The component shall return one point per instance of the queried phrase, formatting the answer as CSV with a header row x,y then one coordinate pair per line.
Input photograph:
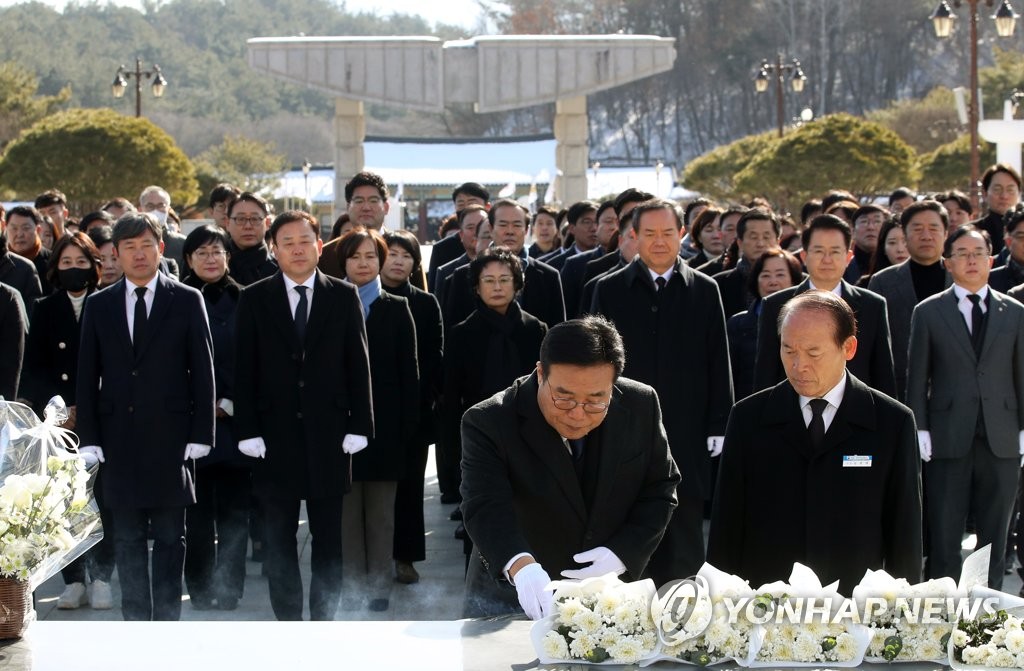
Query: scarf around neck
x,y
368,293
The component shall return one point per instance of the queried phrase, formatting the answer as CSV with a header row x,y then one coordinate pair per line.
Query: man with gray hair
x,y
157,202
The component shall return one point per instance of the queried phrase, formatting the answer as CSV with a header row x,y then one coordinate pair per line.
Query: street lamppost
x,y
123,74
779,70
306,167
1005,20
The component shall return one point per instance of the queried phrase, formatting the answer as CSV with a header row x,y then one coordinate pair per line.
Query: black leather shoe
x,y
456,515
405,573
460,532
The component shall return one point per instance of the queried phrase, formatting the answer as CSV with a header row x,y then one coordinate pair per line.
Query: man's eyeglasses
x,y
247,221
570,403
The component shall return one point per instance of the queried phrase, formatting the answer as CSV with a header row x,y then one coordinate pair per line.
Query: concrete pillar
x,y
349,157
571,154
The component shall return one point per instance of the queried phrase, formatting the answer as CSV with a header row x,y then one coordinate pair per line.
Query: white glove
x,y
604,561
924,443
715,445
353,443
253,447
531,587
196,451
91,454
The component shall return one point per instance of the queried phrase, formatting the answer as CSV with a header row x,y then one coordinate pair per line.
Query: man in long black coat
x,y
302,406
145,396
675,341
819,469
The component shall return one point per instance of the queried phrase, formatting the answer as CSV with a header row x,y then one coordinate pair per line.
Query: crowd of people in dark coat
x,y
315,373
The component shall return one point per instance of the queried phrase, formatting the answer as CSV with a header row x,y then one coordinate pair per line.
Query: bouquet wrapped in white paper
x,y
597,621
707,632
905,627
991,635
48,517
802,623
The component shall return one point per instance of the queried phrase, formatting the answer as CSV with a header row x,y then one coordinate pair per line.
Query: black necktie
x,y
139,327
301,311
576,444
817,426
661,282
976,319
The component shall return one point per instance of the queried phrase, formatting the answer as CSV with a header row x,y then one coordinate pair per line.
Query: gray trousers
x,y
367,539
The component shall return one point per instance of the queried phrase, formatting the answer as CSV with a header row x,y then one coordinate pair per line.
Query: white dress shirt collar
x,y
834,396
837,289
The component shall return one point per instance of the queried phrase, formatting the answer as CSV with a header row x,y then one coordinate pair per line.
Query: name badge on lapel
x,y
856,461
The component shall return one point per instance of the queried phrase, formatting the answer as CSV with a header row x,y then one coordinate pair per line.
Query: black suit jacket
x,y
872,364
51,352
733,286
1006,277
301,398
521,494
675,341
541,295
143,405
391,335
426,314
12,341
443,251
779,501
587,299
572,274
19,273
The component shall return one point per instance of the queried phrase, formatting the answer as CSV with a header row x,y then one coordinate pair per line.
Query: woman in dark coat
x,y
217,525
368,516
50,369
494,346
404,262
776,269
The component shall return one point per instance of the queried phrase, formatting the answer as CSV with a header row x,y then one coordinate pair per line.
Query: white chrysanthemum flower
x,y
959,638
568,609
588,621
1012,622
846,648
581,644
1002,657
555,646
998,637
806,647
626,651
607,603
716,635
929,649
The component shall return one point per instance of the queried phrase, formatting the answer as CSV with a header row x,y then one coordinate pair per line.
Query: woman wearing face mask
x,y
51,365
215,571
368,516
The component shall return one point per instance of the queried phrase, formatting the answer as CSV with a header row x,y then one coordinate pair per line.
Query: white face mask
x,y
160,216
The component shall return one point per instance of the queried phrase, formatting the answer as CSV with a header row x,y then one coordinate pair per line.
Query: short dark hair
x,y
86,245
962,231
339,224
472,189
349,244
796,273
653,205
826,222
844,321
290,216
464,212
544,210
101,235
55,197
901,193
105,218
834,196
407,241
961,199
879,259
497,254
986,179
870,208
692,205
606,205
847,207
28,212
631,195
248,197
366,178
223,192
507,202
929,205
204,235
587,341
134,225
119,202
703,220
578,209
809,209
1013,217
757,214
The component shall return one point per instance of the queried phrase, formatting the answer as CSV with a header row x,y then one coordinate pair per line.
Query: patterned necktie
x,y
817,425
139,327
301,312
